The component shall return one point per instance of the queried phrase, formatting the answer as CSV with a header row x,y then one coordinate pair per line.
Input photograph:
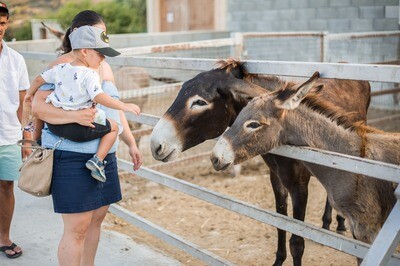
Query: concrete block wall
x,y
313,15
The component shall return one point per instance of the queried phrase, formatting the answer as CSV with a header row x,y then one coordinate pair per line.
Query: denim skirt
x,y
73,188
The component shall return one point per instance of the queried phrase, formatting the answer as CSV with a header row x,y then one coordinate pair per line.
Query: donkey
x,y
276,119
209,103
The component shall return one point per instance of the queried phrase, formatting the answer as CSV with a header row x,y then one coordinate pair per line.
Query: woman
x,y
83,206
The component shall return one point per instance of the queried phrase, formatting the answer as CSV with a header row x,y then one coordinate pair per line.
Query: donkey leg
x,y
341,227
327,219
299,195
280,194
327,216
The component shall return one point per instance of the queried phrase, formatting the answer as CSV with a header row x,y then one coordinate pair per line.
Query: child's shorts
x,y
10,161
79,133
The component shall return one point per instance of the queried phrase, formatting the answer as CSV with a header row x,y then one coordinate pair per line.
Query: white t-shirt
x,y
75,86
13,79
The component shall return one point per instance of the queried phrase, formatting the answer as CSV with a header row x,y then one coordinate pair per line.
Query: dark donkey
x,y
276,119
210,102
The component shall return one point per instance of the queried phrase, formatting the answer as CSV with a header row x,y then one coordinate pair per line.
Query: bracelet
x,y
30,127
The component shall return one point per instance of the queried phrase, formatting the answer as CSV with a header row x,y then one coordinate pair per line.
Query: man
x,y
14,82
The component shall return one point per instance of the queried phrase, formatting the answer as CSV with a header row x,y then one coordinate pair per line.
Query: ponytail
x,y
66,43
83,18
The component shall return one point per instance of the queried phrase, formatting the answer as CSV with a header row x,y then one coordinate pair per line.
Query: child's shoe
x,y
97,168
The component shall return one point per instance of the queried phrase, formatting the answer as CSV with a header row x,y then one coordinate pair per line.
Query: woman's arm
x,y
54,115
127,137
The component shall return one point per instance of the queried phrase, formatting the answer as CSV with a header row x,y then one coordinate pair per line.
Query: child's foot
x,y
97,168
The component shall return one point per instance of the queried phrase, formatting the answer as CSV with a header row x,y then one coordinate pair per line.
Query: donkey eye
x,y
253,125
199,103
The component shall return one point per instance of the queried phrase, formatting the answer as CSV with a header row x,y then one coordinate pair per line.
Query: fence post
x,y
388,238
238,49
324,57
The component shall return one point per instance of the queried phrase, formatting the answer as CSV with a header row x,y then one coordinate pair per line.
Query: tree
x,y
121,16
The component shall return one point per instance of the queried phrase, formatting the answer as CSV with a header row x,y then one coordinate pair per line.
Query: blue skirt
x,y
74,190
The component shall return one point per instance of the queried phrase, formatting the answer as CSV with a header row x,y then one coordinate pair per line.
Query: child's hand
x,y
133,108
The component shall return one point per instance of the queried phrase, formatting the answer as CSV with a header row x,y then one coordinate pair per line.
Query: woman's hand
x,y
136,156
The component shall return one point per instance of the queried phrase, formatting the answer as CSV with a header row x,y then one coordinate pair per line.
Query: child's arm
x,y
108,101
35,85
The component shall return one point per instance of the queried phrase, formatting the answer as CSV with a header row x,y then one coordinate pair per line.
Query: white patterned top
x,y
75,86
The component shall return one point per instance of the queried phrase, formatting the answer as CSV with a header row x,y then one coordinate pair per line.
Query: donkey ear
x,y
244,91
293,101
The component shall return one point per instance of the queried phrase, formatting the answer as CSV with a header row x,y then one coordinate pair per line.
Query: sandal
x,y
13,256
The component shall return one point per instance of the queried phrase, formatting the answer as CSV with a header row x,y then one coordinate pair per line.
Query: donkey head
x,y
258,128
205,106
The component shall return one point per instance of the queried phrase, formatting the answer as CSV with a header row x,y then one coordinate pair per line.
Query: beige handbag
x,y
36,171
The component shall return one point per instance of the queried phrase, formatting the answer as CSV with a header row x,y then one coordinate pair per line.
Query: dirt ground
x,y
238,239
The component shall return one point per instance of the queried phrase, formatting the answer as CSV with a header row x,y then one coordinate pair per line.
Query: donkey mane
x,y
230,65
343,118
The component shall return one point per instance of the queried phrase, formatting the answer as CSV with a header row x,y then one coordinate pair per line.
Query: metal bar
x,y
164,62
387,91
380,73
142,132
169,237
39,56
185,160
282,34
387,240
360,35
146,119
383,119
127,94
380,170
182,46
319,235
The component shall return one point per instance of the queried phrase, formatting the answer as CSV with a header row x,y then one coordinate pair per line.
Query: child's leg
x,y
107,141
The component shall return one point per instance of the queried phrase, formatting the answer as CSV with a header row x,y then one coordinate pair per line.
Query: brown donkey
x,y
278,118
210,102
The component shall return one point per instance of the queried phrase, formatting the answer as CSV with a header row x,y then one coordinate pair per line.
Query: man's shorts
x,y
10,161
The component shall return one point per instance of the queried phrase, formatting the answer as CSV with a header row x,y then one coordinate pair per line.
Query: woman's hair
x,y
84,18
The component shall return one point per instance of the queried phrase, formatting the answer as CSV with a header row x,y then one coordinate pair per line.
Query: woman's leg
x,y
76,226
93,236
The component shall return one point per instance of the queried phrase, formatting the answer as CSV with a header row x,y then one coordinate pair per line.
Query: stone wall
x,y
313,15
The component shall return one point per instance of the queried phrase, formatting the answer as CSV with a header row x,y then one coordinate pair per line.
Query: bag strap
x,y
34,144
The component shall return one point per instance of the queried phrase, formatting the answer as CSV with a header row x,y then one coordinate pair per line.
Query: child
x,y
78,86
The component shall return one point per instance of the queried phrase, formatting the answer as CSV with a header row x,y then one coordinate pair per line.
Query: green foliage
x,y
121,16
20,33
